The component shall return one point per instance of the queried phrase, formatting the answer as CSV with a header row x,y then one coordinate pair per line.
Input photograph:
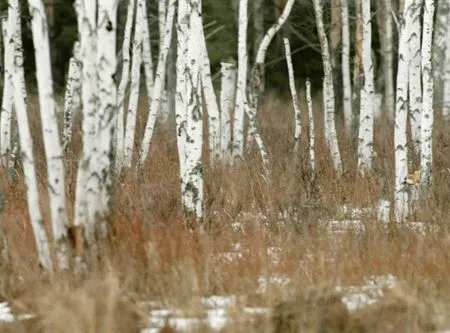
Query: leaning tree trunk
x,y
227,98
258,24
346,79
133,103
401,115
120,128
8,93
158,86
26,151
426,156
330,126
295,102
50,132
415,84
366,113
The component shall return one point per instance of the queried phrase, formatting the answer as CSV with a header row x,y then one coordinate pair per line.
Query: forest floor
x,y
304,252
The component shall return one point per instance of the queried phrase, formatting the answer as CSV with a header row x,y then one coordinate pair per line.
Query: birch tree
x,y
366,114
26,151
401,115
446,70
162,13
312,139
107,109
414,73
258,23
52,143
138,42
241,89
193,191
295,102
9,31
227,98
328,92
70,98
158,84
426,156
345,58
120,131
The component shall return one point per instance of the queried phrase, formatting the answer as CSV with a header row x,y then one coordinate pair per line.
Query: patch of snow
x,y
219,301
273,280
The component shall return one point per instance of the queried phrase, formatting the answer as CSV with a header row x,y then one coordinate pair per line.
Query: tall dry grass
x,y
155,257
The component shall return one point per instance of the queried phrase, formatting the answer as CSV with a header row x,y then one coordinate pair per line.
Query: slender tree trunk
x,y
227,99
258,24
357,70
52,143
120,130
366,114
241,90
426,157
446,70
346,81
8,93
130,127
335,44
26,152
70,97
147,53
158,84
162,13
107,109
295,102
312,139
401,115
330,126
415,84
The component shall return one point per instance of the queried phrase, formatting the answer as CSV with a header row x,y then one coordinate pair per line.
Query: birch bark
x,y
227,99
330,126
52,142
345,58
147,60
366,114
130,127
401,115
312,139
26,147
426,157
386,46
120,130
158,87
414,73
295,102
241,89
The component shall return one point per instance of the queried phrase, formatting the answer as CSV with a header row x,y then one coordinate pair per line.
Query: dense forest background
x,y
220,22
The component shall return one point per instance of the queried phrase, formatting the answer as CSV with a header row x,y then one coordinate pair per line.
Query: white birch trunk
x,y
87,186
9,31
70,97
162,13
312,139
210,102
158,87
346,80
26,147
295,102
415,84
181,86
52,143
193,192
330,126
133,102
227,99
446,70
120,130
426,151
107,109
388,62
366,115
241,105
401,115
147,60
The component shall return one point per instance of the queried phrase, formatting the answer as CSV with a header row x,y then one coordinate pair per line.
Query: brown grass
x,y
153,256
